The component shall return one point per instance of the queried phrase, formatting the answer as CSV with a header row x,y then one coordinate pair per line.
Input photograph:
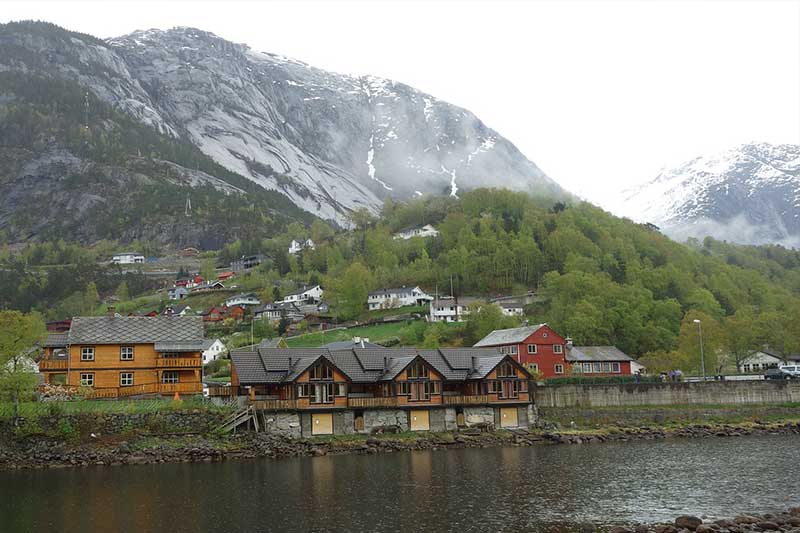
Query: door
x,y
420,421
508,417
322,424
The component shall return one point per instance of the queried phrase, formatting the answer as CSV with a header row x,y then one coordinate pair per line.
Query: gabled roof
x,y
596,354
56,340
135,329
508,336
362,365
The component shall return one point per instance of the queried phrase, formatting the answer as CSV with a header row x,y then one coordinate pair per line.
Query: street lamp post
x,y
702,356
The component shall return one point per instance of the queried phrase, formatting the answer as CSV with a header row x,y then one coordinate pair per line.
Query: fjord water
x,y
495,489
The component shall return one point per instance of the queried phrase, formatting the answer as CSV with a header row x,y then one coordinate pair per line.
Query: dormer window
x,y
418,371
506,370
321,371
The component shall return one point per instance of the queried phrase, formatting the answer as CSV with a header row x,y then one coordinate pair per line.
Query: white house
x,y
420,231
297,246
510,308
306,295
127,258
276,311
212,350
760,360
394,298
447,309
243,299
178,293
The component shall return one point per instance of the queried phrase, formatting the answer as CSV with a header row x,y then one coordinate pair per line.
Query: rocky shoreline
x,y
44,452
788,520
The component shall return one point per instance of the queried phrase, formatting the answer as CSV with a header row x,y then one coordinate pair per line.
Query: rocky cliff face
x,y
331,143
749,194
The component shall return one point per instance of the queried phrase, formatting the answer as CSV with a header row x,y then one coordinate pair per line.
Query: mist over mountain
x,y
324,142
749,194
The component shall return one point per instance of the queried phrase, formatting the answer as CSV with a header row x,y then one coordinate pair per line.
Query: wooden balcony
x,y
465,400
221,391
274,405
358,403
53,364
179,362
181,388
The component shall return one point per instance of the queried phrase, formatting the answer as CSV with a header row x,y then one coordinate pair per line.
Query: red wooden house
x,y
538,348
214,314
598,361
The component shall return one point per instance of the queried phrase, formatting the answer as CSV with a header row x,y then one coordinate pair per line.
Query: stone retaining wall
x,y
633,394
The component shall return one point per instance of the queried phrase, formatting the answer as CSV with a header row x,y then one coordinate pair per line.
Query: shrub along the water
x,y
605,380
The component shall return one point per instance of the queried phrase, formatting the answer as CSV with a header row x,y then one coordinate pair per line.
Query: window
x,y
557,348
421,391
495,387
58,379
87,353
747,368
341,389
403,388
436,387
559,369
170,355
126,353
587,367
596,367
615,368
125,379
302,390
606,367
532,367
87,379
169,376
506,370
513,350
321,371
323,393
418,371
531,348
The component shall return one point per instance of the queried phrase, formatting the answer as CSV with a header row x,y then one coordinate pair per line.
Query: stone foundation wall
x,y
284,424
119,423
385,417
479,415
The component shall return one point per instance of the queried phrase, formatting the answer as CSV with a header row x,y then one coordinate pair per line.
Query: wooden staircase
x,y
243,416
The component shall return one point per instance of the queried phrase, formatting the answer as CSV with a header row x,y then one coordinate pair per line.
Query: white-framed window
x,y
587,368
559,369
125,379
87,379
341,389
544,334
87,353
606,367
533,367
126,353
747,368
513,350
531,348
169,376
615,368
557,348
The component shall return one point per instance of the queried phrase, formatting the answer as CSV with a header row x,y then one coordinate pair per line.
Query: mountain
x,y
749,194
325,142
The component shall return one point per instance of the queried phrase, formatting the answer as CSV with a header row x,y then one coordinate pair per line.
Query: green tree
x,y
713,339
349,292
92,298
122,292
483,319
19,336
208,270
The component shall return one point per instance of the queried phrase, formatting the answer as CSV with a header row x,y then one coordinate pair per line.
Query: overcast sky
x,y
600,95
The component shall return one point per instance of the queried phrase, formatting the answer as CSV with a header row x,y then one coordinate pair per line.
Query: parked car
x,y
777,373
794,370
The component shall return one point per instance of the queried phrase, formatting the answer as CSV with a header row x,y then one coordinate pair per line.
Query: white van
x,y
793,370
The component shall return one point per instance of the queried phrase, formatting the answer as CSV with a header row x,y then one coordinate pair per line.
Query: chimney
x,y
357,340
290,362
474,363
111,311
569,343
385,364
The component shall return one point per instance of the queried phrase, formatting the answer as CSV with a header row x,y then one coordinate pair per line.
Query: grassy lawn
x,y
37,409
374,333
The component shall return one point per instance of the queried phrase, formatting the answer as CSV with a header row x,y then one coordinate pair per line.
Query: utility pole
x,y
702,355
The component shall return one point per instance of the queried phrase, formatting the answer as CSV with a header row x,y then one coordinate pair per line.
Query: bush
x,y
67,431
601,380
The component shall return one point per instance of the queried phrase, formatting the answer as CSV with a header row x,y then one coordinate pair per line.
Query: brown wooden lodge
x,y
414,388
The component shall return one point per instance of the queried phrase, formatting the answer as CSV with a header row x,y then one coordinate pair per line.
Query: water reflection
x,y
466,490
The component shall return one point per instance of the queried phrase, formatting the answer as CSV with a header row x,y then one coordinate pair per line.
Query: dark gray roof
x,y
596,354
361,365
189,346
401,290
507,336
56,340
136,330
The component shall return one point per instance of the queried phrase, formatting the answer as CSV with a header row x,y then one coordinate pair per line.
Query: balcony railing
x,y
274,405
178,362
53,364
389,401
170,388
221,391
465,400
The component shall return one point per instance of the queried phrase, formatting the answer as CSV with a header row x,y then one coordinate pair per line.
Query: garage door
x,y
322,424
508,417
420,421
